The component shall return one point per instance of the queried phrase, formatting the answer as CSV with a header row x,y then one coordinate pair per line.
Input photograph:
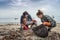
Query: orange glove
x,y
47,23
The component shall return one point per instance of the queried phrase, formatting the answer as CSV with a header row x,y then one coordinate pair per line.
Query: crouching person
x,y
46,20
26,21
47,23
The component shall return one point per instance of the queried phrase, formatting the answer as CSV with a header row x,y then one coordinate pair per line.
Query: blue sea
x,y
17,20
9,20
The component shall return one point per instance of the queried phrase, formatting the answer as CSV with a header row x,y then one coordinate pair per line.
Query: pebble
x,y
26,35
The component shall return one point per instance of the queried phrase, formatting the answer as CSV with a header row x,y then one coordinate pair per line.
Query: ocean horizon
x,y
16,20
9,21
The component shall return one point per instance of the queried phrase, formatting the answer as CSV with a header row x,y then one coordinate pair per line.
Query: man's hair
x,y
25,13
39,12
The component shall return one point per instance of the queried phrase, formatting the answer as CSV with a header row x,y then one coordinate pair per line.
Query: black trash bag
x,y
41,31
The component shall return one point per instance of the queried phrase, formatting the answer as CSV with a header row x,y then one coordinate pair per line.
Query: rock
x,y
53,36
12,36
28,35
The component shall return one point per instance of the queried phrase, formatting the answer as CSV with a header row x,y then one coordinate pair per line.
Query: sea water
x,y
9,20
17,20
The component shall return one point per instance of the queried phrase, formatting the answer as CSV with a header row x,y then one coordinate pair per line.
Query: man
x,y
26,15
46,20
29,21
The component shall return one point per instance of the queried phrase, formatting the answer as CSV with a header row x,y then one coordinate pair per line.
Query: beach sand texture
x,y
12,32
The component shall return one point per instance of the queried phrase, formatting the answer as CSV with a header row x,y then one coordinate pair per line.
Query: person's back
x,y
47,18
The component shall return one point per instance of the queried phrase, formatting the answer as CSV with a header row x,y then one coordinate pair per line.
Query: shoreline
x,y
14,23
9,23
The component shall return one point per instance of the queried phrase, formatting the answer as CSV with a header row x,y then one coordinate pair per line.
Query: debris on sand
x,y
27,35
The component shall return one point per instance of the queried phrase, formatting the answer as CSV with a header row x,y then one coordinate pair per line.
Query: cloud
x,y
18,3
4,2
44,5
27,3
50,1
35,0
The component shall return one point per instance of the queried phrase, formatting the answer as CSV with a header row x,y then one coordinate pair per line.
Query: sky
x,y
15,8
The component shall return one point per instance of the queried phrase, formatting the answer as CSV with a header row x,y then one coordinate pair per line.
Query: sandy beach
x,y
9,29
17,26
10,26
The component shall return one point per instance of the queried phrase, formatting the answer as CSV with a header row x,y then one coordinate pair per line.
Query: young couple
x,y
46,20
